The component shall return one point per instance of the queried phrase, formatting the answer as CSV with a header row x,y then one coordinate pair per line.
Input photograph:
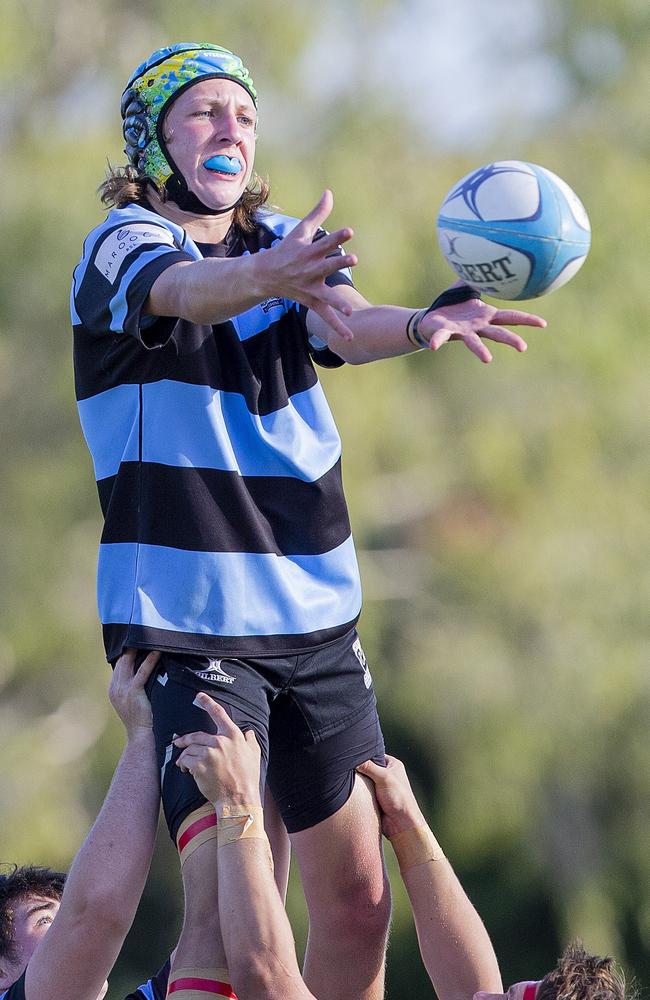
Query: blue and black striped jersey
x,y
217,460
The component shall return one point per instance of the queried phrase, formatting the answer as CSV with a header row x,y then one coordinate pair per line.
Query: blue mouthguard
x,y
224,164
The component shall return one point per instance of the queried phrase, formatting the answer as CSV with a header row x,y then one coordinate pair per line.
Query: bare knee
x,y
358,910
343,874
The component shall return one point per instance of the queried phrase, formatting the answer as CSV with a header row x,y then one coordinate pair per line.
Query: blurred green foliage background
x,y
500,512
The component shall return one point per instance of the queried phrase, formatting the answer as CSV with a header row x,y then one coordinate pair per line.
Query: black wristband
x,y
453,296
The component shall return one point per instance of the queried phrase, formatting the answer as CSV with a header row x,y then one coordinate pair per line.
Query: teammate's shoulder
x,y
277,223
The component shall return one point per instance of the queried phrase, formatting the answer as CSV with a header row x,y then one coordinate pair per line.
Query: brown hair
x,y
579,976
124,185
15,885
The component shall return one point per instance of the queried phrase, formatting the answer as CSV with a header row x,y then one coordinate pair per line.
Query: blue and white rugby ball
x,y
514,230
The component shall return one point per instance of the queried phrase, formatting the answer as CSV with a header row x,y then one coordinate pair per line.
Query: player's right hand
x,y
399,807
296,267
225,764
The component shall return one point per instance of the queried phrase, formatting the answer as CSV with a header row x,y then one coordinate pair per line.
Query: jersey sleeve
x,y
153,989
16,991
112,282
318,348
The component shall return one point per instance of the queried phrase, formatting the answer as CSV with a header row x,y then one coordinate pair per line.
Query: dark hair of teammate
x,y
580,976
16,884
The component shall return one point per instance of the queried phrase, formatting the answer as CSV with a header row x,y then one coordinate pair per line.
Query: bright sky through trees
x,y
469,67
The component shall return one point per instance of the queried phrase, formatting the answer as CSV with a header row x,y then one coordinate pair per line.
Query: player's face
x,y
33,917
213,122
519,991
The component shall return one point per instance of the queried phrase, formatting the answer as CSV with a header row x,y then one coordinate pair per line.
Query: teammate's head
x,y
577,976
29,901
149,95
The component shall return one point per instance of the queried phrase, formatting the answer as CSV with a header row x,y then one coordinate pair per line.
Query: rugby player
x,y
454,943
60,937
198,314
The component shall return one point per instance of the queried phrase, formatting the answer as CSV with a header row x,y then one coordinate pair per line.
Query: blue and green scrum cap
x,y
155,85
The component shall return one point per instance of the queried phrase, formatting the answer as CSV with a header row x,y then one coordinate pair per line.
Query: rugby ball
x,y
513,230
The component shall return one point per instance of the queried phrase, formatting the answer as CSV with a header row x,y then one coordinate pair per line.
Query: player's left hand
x,y
225,764
399,807
473,322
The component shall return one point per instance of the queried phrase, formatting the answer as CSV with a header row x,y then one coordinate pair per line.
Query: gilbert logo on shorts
x,y
215,672
361,657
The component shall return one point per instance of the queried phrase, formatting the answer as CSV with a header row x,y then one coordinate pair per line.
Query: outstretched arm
x,y
257,935
107,877
388,331
454,944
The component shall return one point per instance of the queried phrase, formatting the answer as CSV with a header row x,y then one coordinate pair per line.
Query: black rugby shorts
x,y
314,714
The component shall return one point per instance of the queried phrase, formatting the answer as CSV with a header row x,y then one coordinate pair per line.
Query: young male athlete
x,y
454,944
198,315
58,942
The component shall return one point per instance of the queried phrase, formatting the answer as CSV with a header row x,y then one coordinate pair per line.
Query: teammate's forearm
x,y
104,885
257,935
454,944
110,869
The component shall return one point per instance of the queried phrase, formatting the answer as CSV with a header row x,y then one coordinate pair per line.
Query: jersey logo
x,y
357,649
215,672
124,241
269,304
